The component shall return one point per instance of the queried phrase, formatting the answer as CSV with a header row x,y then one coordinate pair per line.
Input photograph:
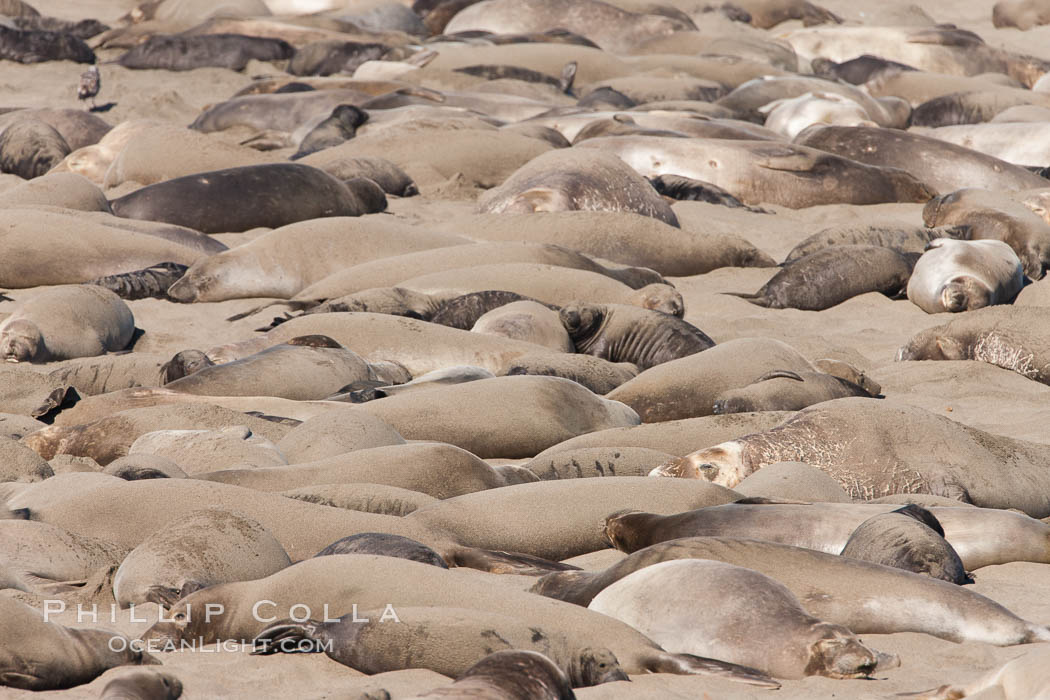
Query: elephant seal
x,y
598,375
203,549
53,555
906,239
339,127
374,582
686,189
688,387
941,166
664,602
528,321
36,46
187,52
42,655
66,322
183,364
464,311
143,685
784,390
290,370
848,438
1023,14
367,498
909,538
866,598
620,333
832,275
381,171
152,282
965,275
144,466
29,148
857,71
1005,336
509,675
789,116
569,180
384,545
423,637
1025,678
596,462
991,216
757,172
238,199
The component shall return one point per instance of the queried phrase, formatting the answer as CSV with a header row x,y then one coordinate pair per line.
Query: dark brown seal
x,y
509,675
386,545
187,52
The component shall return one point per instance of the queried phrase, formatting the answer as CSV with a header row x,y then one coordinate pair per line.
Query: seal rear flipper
x,y
58,399
504,562
688,664
755,298
763,501
293,306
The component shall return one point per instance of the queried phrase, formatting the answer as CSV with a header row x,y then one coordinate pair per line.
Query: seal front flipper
x,y
504,562
688,664
269,641
755,298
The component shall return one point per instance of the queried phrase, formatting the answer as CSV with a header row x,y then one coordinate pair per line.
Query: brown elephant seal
x,y
903,238
1005,336
937,164
464,311
29,148
909,538
374,582
990,216
688,387
866,598
198,451
64,323
686,189
187,52
856,71
385,545
424,638
591,462
381,171
340,126
143,685
203,549
450,375
766,14
1023,14
620,333
848,439
183,364
832,275
784,390
152,282
43,655
238,199
19,463
289,370
965,275
598,375
509,675
528,321
757,172
568,180
663,601
144,466
367,498
53,555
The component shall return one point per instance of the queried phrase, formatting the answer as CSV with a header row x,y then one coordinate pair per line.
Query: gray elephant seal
x,y
30,148
831,587
965,275
340,126
42,655
1011,337
784,390
667,602
385,545
508,675
909,538
832,275
571,180
446,640
143,685
906,239
33,46
622,333
238,199
187,52
66,322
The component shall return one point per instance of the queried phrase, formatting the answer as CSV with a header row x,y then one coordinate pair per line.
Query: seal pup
x,y
622,333
909,538
65,322
666,602
42,655
964,275
1011,337
446,640
509,675
832,275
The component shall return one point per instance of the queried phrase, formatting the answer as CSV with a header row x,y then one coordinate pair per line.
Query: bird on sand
x,y
90,83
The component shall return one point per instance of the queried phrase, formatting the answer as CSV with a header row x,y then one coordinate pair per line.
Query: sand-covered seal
x,y
384,545
598,375
569,180
906,239
621,333
66,322
43,655
832,275
529,321
1023,14
909,538
514,675
29,148
964,275
143,685
666,602
238,199
1010,337
784,390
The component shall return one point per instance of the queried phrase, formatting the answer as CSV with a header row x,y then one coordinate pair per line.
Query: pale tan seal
x,y
964,275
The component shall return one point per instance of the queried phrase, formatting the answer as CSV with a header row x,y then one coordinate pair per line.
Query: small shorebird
x,y
90,82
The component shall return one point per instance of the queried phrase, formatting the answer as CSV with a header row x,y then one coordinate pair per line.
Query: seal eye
x,y
709,471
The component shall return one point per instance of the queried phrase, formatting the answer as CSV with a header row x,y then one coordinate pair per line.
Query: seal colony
x,y
524,349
